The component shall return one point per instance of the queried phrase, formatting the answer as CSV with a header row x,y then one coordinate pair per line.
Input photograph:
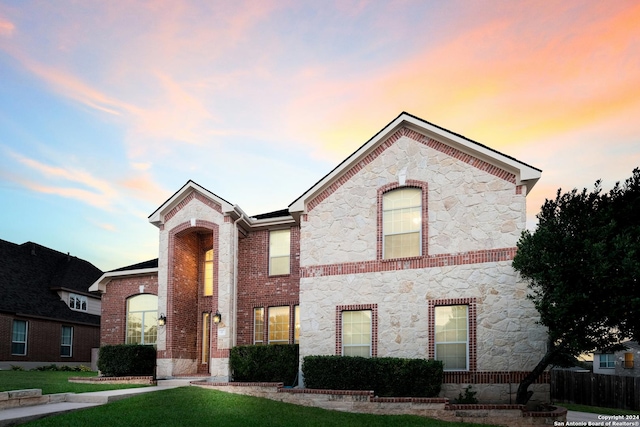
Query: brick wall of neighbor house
x,y
256,288
44,339
474,215
113,322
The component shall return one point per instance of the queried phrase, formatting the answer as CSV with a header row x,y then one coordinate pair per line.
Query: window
x,y
78,302
206,326
279,252
296,324
402,223
356,333
607,361
628,361
279,325
207,288
66,343
258,326
452,336
19,338
142,319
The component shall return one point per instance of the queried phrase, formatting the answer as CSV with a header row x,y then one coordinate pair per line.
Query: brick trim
x,y
374,325
472,336
418,137
430,261
410,183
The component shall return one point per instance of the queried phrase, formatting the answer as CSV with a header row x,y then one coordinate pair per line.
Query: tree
x,y
583,267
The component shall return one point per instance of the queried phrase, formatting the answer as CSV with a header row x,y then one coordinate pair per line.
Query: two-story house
x,y
47,314
403,250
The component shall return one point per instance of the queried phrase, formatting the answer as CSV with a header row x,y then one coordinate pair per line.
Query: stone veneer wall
x,y
468,209
474,218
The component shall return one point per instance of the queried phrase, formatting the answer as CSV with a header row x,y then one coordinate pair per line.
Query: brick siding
x,y
44,338
257,289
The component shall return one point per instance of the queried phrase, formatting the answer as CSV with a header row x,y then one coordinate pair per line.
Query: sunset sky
x,y
108,107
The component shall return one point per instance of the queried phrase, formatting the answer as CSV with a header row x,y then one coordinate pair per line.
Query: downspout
x,y
234,251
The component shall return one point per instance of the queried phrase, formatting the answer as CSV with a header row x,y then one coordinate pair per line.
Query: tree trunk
x,y
523,394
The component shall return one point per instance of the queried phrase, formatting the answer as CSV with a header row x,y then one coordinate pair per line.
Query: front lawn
x,y
195,406
53,382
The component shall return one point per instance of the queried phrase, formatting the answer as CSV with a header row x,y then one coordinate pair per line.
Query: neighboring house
x,y
622,362
403,250
47,314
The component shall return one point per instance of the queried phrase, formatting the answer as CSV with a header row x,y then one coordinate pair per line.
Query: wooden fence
x,y
586,388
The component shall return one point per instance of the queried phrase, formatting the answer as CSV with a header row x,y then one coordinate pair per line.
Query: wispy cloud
x,y
66,182
6,27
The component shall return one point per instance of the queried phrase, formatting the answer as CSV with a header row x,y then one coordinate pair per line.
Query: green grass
x,y
53,382
195,406
597,409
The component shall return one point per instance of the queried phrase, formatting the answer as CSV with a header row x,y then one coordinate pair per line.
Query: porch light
x,y
217,318
162,320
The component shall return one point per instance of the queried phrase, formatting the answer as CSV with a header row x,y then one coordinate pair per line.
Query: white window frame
x,y
78,302
13,337
344,334
68,345
143,324
466,342
609,361
274,254
388,211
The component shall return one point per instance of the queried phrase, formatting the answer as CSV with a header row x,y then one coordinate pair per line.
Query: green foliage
x,y
583,268
469,397
17,368
264,363
63,368
386,376
124,360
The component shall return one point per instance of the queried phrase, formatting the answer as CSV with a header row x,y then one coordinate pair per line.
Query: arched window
x,y
402,223
142,319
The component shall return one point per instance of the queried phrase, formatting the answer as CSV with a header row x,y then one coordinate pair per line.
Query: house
x,y
47,314
621,362
403,250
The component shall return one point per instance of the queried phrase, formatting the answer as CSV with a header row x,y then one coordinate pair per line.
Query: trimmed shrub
x,y
264,363
386,376
127,359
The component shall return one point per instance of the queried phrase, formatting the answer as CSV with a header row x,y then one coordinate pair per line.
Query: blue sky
x,y
108,108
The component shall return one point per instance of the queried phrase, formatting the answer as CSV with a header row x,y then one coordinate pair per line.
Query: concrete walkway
x,y
75,401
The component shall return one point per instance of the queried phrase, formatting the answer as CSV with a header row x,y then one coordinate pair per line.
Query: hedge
x,y
127,359
264,363
386,376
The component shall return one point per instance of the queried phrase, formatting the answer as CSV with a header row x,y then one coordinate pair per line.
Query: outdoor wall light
x,y
217,318
162,320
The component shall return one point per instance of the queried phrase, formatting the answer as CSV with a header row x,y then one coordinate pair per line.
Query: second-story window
x,y
279,252
402,223
207,288
78,302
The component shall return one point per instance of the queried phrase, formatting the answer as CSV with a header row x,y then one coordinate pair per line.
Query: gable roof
x,y
144,268
524,173
31,274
